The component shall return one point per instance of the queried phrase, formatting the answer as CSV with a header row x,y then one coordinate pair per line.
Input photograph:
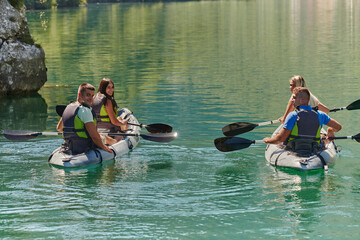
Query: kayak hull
x,y
277,156
62,159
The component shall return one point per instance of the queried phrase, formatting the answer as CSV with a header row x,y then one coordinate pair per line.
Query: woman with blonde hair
x,y
299,81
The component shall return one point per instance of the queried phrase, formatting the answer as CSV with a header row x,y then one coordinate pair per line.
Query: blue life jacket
x,y
305,136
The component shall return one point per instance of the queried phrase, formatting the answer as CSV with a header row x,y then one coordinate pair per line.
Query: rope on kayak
x,y
277,158
113,152
98,152
323,161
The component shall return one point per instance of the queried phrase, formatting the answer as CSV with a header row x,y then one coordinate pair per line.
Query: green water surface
x,y
196,66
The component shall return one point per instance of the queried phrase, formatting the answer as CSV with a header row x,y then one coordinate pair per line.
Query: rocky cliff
x,y
22,63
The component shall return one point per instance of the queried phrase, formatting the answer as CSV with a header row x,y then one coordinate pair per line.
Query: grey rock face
x,y
22,63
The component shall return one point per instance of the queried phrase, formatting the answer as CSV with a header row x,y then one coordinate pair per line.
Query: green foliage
x,y
18,4
68,3
46,4
38,4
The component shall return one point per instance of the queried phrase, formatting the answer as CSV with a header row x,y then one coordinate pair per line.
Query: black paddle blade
x,y
159,128
160,137
238,128
357,137
354,106
15,135
60,109
228,144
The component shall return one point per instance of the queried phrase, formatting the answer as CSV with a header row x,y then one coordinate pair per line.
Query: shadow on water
x,y
23,113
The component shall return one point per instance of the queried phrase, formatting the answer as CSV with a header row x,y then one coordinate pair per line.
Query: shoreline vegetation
x,y
47,4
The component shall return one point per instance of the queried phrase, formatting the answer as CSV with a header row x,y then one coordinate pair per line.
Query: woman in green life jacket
x,y
106,108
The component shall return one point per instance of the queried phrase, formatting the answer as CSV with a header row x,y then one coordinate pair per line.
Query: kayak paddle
x,y
352,106
228,144
152,128
60,109
15,135
155,137
243,127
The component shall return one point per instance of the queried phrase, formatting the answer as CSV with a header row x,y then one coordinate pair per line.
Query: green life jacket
x,y
99,108
101,113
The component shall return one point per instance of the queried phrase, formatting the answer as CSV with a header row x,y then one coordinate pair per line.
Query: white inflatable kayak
x,y
279,157
59,158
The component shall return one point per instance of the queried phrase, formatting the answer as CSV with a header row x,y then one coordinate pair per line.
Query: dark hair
x,y
102,89
85,86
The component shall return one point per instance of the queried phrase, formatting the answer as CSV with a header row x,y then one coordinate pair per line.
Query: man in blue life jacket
x,y
78,123
303,125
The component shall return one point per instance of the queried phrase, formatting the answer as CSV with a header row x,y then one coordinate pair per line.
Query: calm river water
x,y
196,66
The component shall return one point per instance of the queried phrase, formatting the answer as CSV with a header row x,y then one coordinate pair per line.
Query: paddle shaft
x,y
330,138
243,127
50,133
268,123
138,125
337,109
26,135
227,144
352,106
101,133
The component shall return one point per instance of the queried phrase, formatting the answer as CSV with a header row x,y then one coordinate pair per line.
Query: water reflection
x,y
129,167
301,195
88,175
23,113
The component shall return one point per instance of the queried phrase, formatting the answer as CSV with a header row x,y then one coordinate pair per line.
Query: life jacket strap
x,y
304,137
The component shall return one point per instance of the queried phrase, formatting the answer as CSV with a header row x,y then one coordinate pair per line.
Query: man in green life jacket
x,y
78,123
304,122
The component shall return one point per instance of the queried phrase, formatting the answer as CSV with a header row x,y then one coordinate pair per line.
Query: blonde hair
x,y
300,82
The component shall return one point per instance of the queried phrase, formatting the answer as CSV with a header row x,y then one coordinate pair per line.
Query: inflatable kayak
x,y
277,156
61,158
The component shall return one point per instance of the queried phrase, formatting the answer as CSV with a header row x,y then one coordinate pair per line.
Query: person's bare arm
x,y
279,138
59,126
289,108
91,129
110,110
323,108
333,126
